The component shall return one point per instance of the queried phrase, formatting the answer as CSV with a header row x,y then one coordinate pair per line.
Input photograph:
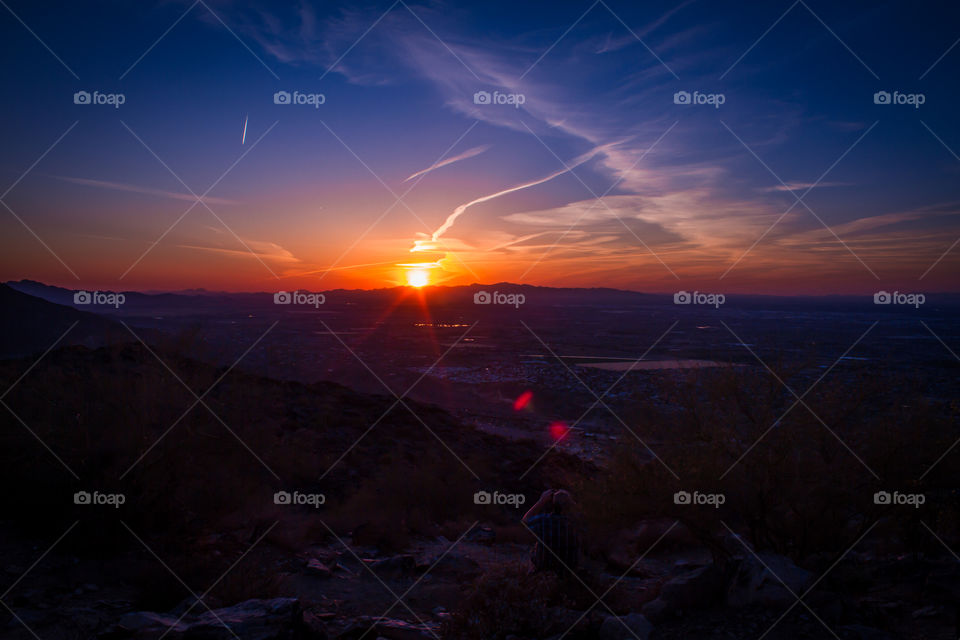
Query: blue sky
x,y
693,195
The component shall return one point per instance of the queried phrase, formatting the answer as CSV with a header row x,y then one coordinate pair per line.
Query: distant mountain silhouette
x,y
199,301
134,299
30,325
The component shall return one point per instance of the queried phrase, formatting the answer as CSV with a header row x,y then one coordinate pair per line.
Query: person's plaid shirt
x,y
555,533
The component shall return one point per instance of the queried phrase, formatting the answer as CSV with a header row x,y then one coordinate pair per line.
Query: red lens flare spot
x,y
559,430
523,400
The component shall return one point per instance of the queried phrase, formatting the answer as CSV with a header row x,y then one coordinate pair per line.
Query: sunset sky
x,y
691,196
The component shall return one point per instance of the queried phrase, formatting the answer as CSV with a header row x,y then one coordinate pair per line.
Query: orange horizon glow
x,y
99,263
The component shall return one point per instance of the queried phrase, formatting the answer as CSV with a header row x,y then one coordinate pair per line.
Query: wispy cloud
x,y
221,242
132,188
803,186
263,250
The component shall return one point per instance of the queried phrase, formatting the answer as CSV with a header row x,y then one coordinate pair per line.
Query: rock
x,y
317,568
389,628
276,619
630,544
924,612
393,567
685,566
828,605
189,604
623,560
860,632
656,610
736,545
83,620
315,625
147,620
943,582
455,566
566,621
633,626
482,535
400,630
695,589
118,605
756,584
663,532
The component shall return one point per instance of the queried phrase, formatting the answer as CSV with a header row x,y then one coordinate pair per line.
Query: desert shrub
x,y
402,498
503,602
246,581
511,601
801,490
101,410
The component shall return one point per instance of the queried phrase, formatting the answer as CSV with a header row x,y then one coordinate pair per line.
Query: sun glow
x,y
418,277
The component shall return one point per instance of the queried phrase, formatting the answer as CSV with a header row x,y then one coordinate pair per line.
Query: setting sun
x,y
418,277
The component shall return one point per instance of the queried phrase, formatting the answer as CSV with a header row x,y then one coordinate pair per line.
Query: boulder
x,y
695,589
389,628
276,619
628,545
393,567
316,567
656,610
452,565
756,583
315,624
661,533
482,535
633,626
860,632
566,621
700,588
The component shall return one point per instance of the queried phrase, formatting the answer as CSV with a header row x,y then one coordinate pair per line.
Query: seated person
x,y
558,545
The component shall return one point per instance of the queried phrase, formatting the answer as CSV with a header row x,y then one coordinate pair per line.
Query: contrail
x,y
244,139
469,153
459,210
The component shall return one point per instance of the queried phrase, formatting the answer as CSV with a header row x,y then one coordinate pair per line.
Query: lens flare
x,y
523,400
559,430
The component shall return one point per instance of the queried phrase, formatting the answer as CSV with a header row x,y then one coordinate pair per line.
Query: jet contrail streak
x,y
469,153
459,210
244,139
